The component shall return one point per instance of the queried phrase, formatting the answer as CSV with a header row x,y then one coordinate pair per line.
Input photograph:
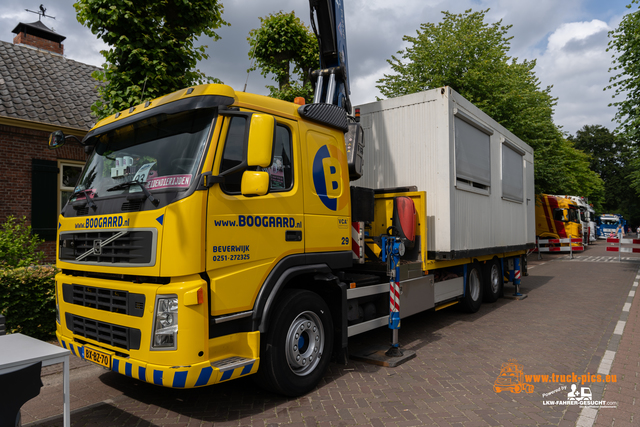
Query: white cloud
x,y
575,31
576,63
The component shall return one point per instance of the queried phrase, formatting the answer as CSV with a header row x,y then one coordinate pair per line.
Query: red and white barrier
x,y
357,241
620,242
569,248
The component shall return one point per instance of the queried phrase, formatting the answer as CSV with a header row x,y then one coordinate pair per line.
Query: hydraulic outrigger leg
x,y
391,248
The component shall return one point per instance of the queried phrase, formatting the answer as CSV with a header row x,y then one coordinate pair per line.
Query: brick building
x,y
40,91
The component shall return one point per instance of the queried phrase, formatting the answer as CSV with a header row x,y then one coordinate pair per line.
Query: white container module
x,y
478,176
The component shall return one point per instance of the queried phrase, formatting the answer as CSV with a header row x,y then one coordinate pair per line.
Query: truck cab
x,y
557,218
608,223
191,213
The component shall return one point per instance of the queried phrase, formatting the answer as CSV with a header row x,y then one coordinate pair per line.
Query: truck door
x,y
247,236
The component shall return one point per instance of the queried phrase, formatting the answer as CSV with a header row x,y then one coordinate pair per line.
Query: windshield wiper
x,y
87,194
128,184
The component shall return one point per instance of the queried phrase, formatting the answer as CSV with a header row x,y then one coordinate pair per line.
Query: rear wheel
x,y
296,349
493,281
473,290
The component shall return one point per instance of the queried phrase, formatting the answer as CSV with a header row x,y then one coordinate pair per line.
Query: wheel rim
x,y
304,343
495,279
474,284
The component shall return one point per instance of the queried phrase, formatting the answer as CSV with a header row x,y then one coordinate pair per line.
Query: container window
x,y
512,174
473,155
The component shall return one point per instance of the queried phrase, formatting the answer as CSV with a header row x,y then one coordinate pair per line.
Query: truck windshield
x,y
560,214
160,152
574,215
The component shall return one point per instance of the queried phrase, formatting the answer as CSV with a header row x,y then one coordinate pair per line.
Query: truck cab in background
x,y
557,218
584,217
608,223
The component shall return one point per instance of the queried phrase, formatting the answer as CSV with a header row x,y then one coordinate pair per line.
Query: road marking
x,y
606,362
588,414
587,417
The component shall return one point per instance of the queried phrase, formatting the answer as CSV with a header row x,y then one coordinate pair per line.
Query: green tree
x,y
281,45
151,46
624,44
611,157
469,55
18,246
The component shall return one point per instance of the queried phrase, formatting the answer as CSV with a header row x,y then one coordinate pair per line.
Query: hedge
x,y
27,300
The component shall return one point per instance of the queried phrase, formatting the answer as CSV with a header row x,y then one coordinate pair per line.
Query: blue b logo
x,y
327,177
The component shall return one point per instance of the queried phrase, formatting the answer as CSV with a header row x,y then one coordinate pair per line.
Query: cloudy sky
x,y
568,38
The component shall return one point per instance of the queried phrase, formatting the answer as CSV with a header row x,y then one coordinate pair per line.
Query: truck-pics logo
x,y
327,177
512,378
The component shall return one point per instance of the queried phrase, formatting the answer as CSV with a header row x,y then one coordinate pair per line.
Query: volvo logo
x,y
97,247
99,244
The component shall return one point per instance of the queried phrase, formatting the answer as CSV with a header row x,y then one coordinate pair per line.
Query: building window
x,y
68,177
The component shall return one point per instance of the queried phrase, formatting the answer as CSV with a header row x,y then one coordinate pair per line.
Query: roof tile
x,y
27,84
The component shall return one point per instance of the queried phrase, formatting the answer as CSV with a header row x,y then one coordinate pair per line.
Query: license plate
x,y
98,357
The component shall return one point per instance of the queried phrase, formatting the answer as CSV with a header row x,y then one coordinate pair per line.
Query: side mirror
x,y
255,183
261,138
56,139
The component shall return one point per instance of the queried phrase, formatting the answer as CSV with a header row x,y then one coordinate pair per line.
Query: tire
x,y
296,349
493,281
474,289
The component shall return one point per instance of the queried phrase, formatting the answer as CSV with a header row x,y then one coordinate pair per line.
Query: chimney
x,y
39,36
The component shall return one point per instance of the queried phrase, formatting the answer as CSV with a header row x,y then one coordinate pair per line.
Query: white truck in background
x,y
593,226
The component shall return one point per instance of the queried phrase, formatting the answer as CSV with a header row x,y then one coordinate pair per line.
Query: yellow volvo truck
x,y
216,234
213,234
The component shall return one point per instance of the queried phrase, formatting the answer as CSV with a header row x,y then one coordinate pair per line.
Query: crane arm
x,y
332,79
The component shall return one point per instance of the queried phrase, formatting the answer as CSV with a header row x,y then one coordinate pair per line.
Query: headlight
x,y
165,328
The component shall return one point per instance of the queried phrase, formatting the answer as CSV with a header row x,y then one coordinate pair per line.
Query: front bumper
x,y
198,375
126,335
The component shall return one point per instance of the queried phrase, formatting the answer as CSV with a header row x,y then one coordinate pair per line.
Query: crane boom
x,y
332,79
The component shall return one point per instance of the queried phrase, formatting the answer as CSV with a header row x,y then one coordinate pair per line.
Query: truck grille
x,y
121,247
112,300
104,333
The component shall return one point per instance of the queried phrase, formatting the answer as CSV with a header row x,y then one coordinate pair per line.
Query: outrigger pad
x,y
377,356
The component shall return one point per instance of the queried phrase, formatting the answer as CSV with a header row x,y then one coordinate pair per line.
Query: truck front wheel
x,y
297,347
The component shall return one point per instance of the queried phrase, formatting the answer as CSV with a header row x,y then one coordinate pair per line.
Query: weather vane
x,y
41,13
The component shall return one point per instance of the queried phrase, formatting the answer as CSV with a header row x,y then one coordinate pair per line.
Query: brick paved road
x,y
565,326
